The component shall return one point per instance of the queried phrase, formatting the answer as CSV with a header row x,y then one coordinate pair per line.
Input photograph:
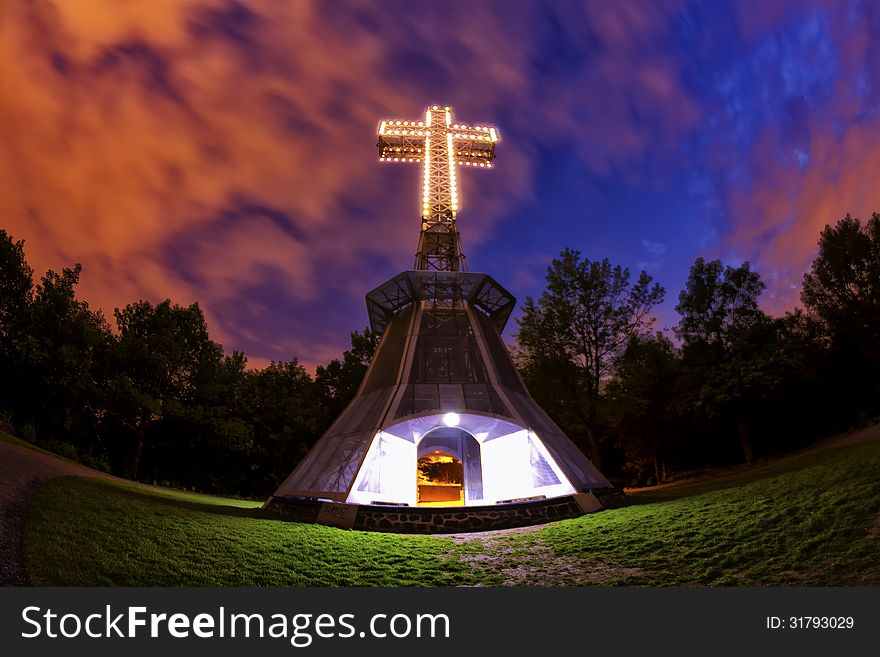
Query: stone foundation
x,y
433,520
610,498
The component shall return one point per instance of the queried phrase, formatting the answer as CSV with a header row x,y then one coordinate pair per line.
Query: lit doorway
x,y
440,480
448,468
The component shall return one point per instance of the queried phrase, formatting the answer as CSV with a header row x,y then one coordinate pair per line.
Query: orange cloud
x,y
221,151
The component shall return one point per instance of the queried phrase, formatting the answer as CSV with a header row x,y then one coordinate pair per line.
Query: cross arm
x,y
401,141
474,145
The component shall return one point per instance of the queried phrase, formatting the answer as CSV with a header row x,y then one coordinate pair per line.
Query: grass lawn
x,y
88,532
806,520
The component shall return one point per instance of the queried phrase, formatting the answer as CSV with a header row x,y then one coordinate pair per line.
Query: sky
x,y
224,152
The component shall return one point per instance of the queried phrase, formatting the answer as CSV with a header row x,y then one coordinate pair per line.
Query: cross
x,y
442,146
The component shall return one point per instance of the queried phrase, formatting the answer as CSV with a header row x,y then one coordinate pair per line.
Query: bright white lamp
x,y
451,419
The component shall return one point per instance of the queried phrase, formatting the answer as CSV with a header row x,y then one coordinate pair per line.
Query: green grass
x,y
85,532
806,520
811,520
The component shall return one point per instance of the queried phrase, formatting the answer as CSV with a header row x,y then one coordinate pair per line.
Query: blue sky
x,y
224,152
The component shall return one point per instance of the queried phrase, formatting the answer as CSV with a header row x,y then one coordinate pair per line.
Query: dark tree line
x,y
153,398
731,384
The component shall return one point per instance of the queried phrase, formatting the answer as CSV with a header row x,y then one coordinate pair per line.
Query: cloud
x,y
814,157
654,248
223,152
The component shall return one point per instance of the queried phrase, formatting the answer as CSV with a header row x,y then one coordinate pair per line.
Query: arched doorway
x,y
448,468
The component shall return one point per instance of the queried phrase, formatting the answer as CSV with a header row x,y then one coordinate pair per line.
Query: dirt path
x,y
22,470
866,435
536,564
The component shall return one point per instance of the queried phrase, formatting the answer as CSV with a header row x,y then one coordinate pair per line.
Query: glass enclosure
x,y
480,461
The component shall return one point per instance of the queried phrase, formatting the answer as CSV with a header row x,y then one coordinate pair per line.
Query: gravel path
x,y
536,564
22,470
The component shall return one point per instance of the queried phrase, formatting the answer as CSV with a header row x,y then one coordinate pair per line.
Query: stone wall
x,y
426,520
610,498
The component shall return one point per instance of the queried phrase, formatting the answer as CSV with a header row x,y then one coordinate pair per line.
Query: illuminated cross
x,y
441,145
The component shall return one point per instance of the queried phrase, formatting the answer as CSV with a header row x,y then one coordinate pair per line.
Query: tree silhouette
x,y
580,325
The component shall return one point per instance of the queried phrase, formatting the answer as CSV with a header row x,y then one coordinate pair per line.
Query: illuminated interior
x,y
468,459
440,480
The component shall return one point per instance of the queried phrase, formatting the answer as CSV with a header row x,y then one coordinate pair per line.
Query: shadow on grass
x,y
85,532
734,479
170,499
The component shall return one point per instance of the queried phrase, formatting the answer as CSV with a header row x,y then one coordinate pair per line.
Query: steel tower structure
x,y
441,382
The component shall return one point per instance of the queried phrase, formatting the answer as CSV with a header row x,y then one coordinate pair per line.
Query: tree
x,y
720,320
209,435
340,380
842,290
16,288
16,291
284,408
644,390
583,321
62,363
843,284
718,302
160,354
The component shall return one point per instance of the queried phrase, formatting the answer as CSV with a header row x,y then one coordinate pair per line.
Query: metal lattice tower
x,y
441,145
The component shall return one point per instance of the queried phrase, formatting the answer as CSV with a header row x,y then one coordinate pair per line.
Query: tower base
x,y
440,520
